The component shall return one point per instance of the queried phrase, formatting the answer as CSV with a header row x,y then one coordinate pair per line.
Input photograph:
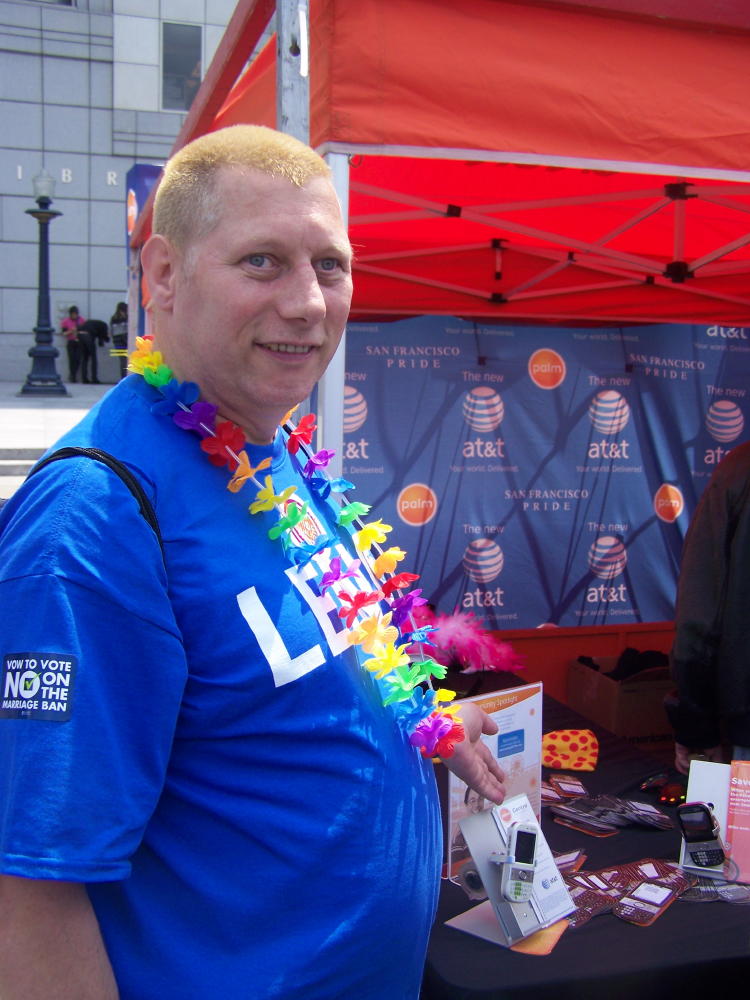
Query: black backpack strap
x,y
132,483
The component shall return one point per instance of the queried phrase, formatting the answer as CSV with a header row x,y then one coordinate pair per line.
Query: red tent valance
x,y
527,161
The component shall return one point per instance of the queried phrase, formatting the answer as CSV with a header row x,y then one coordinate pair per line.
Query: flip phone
x,y
700,830
517,879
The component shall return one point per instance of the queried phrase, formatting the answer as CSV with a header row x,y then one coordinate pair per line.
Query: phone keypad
x,y
707,859
520,885
519,891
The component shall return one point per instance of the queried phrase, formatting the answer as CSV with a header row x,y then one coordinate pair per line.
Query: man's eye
x,y
257,259
328,264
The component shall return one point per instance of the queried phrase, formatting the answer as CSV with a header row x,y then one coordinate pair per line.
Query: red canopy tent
x,y
547,161
537,162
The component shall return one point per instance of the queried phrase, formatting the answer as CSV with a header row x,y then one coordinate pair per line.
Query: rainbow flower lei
x,y
404,678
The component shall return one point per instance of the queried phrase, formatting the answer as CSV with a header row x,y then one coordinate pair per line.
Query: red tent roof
x,y
547,162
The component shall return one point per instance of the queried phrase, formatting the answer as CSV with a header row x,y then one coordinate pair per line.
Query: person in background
x,y
118,331
710,657
91,334
225,804
70,327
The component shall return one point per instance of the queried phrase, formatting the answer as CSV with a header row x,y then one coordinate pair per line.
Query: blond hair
x,y
187,205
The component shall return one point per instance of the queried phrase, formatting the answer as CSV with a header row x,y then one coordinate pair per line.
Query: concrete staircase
x,y
15,464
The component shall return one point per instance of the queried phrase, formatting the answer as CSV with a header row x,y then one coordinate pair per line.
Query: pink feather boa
x,y
461,639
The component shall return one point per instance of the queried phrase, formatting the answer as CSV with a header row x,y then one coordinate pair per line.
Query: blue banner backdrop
x,y
140,180
541,476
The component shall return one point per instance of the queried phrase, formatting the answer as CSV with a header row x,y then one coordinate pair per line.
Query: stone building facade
x,y
87,89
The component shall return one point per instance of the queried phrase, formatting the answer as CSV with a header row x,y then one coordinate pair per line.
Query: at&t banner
x,y
539,475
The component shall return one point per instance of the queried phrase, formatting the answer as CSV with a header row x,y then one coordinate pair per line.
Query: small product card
x,y
644,903
738,820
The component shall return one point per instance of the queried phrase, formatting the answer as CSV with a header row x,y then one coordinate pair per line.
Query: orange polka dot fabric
x,y
570,750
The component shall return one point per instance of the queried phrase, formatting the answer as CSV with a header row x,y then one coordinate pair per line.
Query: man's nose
x,y
301,295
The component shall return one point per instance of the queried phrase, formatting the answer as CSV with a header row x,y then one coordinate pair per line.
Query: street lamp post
x,y
43,379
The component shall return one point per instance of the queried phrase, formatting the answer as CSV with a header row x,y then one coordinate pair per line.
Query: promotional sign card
x,y
738,820
518,748
708,782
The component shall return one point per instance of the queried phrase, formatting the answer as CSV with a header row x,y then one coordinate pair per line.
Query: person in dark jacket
x,y
91,334
710,658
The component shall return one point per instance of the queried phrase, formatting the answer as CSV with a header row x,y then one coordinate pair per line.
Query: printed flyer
x,y
518,748
738,820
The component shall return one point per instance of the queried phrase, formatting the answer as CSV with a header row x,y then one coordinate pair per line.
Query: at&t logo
x,y
609,413
724,421
355,409
355,414
483,561
483,409
607,559
356,449
727,332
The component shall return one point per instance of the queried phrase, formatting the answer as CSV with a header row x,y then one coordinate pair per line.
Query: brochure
x,y
517,746
738,820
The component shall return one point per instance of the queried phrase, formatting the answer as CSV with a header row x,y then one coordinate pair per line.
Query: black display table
x,y
692,947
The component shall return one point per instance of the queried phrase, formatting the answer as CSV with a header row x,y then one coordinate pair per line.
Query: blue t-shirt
x,y
196,740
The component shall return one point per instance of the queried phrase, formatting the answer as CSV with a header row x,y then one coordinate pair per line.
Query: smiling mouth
x,y
289,348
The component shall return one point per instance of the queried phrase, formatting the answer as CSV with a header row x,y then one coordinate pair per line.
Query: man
x,y
91,334
222,807
709,659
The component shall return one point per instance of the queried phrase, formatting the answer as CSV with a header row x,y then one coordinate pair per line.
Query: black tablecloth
x,y
692,946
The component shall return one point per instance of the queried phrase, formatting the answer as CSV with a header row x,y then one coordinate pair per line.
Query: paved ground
x,y
30,424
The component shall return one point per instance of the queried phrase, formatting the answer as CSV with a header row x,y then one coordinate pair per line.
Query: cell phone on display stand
x,y
700,831
508,848
517,878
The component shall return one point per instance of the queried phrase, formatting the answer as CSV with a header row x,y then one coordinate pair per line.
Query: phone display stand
x,y
498,919
708,782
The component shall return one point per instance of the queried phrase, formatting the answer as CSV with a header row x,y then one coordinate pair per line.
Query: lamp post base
x,y
54,387
43,379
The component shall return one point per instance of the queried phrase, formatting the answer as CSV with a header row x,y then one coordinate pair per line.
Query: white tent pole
x,y
331,386
292,69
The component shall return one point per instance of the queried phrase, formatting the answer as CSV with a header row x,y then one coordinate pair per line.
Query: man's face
x,y
261,302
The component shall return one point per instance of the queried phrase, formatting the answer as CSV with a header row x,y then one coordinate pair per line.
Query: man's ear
x,y
160,261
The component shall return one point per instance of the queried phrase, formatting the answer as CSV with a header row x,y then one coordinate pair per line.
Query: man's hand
x,y
683,756
472,760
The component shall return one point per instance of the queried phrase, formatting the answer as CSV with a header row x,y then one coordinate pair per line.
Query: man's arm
x,y
50,944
